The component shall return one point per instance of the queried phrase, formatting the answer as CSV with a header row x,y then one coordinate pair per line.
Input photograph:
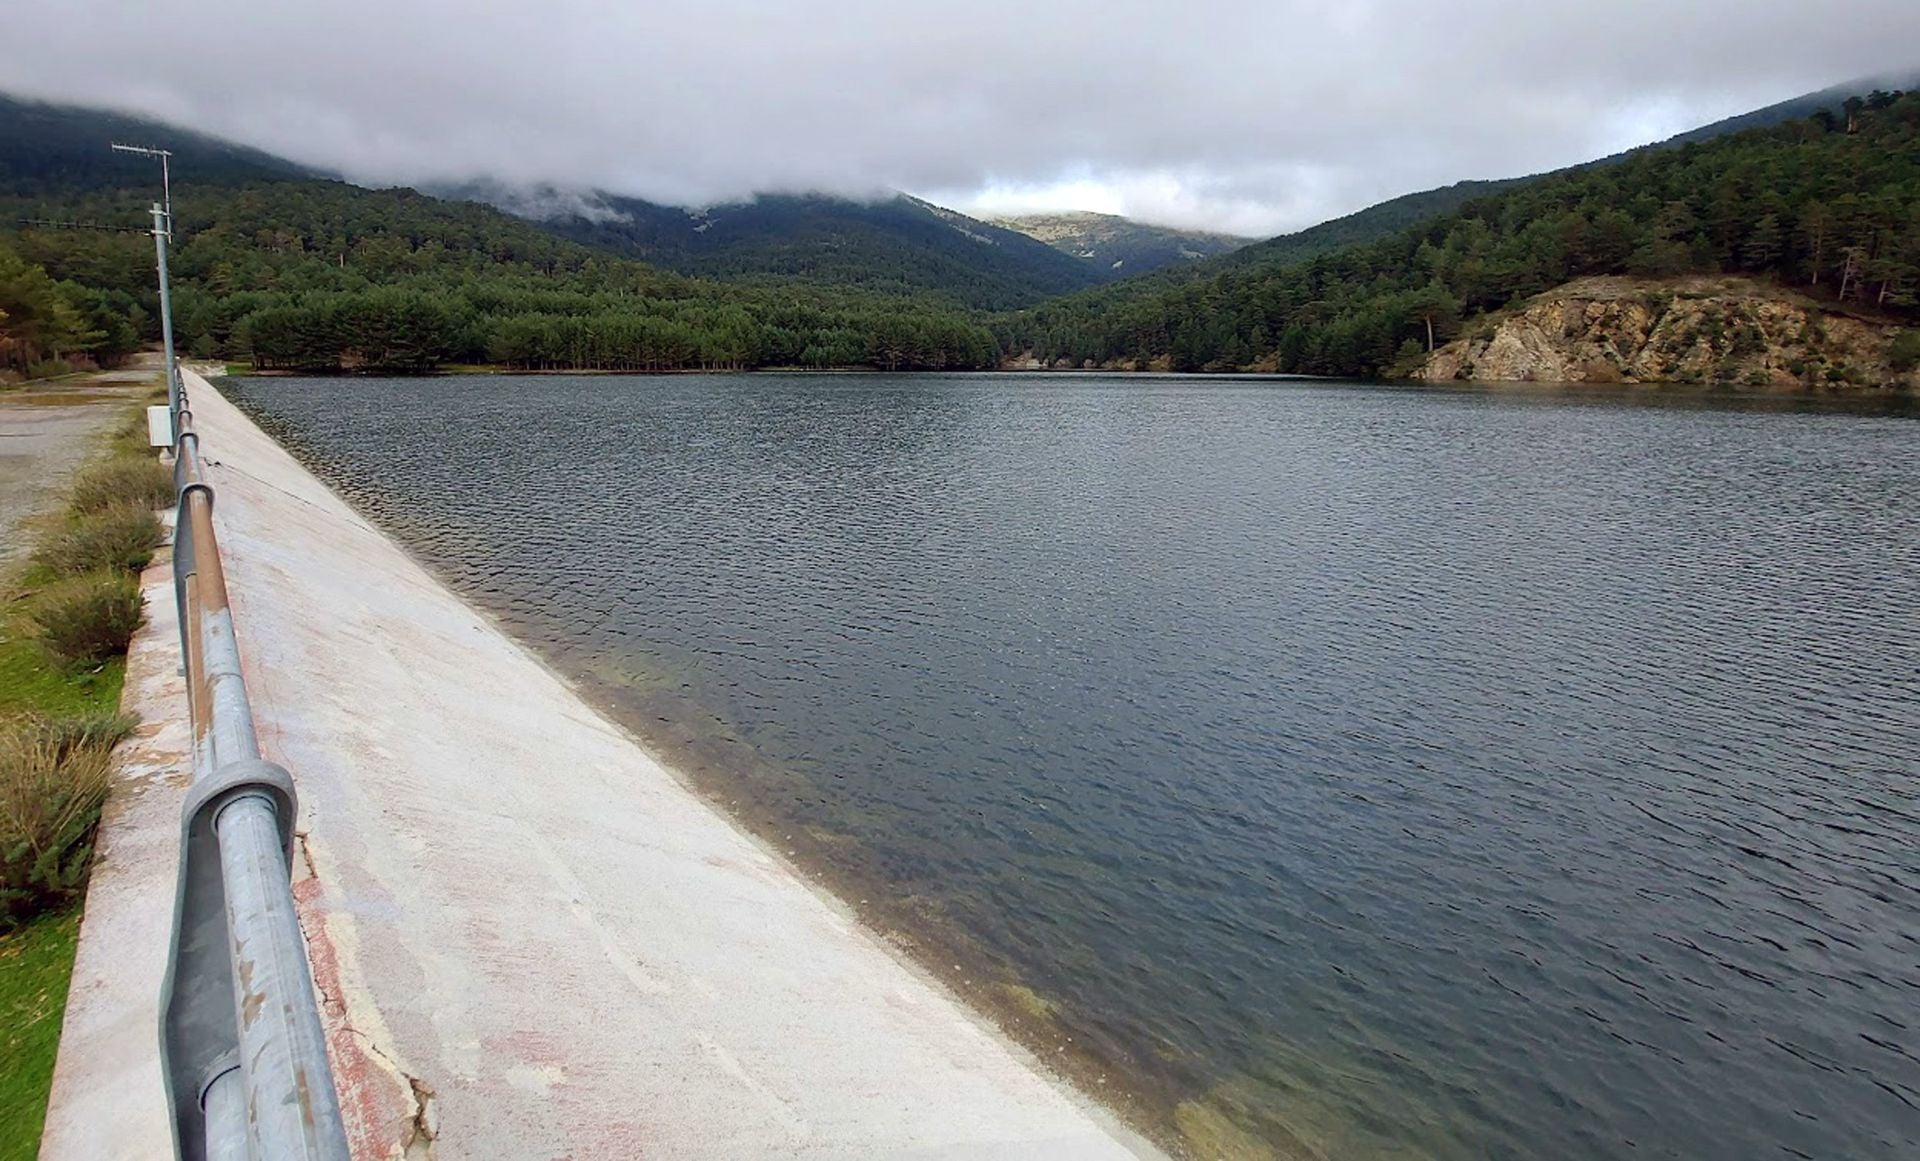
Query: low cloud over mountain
x,y
1235,115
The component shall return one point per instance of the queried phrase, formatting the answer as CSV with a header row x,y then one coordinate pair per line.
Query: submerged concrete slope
x,y
533,939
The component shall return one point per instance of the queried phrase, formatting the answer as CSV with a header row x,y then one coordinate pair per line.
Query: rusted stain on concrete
x,y
376,1097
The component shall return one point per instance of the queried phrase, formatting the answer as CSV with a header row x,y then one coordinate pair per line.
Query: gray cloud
x,y
1234,114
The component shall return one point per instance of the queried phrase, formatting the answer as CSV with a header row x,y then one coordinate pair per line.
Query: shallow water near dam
x,y
1348,771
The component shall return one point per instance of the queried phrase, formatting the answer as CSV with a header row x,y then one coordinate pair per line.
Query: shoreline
x,y
1898,401
313,750
982,981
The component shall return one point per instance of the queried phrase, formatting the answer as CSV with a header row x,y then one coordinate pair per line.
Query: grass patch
x,y
120,537
125,480
54,775
28,683
62,641
64,632
36,963
85,621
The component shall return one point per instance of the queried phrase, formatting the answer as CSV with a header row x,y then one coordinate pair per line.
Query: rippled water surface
x,y
1359,771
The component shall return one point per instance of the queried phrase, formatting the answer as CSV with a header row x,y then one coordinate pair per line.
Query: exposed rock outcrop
x,y
1698,330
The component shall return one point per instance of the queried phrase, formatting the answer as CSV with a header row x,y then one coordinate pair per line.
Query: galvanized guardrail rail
x,y
243,1048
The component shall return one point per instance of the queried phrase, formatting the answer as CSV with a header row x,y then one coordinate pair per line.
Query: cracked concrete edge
x,y
387,1109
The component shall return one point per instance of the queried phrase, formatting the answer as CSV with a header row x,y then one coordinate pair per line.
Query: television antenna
x,y
166,179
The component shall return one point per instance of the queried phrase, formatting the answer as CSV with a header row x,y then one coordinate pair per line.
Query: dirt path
x,y
47,430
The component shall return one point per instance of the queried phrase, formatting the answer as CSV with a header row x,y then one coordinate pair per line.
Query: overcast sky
x,y
1247,116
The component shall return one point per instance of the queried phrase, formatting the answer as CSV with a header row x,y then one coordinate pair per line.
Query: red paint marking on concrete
x,y
374,1102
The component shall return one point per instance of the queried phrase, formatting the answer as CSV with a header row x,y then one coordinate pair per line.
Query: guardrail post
x,y
162,231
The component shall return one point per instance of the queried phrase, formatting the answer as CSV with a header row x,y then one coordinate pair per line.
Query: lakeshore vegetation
x,y
286,271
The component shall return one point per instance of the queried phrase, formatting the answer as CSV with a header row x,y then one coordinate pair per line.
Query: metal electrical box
x,y
159,427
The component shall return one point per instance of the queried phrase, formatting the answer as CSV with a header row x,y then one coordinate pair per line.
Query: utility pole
x,y
162,234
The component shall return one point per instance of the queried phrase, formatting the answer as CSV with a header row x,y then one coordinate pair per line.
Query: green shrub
x,y
141,480
85,620
121,537
49,369
71,733
53,779
1904,354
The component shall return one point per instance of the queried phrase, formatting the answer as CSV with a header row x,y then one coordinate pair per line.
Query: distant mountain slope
x,y
1808,204
1396,214
1356,229
300,272
1263,259
897,245
47,148
1121,247
1799,108
1374,222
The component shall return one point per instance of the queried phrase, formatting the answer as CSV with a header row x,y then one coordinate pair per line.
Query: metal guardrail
x,y
242,1045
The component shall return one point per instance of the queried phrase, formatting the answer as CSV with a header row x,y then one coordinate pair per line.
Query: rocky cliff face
x,y
1730,331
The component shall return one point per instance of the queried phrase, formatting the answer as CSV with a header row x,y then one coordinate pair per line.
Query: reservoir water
x,y
1341,771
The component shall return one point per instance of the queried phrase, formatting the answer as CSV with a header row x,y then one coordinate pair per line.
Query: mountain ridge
x,y
60,142
1397,213
299,270
1120,245
893,244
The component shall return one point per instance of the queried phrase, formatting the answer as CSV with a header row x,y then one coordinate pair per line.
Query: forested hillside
x,y
321,275
46,149
1830,205
1397,214
46,325
1832,100
896,245
304,273
1369,225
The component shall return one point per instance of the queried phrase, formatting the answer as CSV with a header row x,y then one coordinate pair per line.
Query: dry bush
x,y
54,777
87,619
74,732
120,537
125,479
